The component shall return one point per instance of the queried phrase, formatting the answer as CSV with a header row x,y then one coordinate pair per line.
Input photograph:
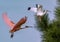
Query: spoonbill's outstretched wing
x,y
32,9
7,20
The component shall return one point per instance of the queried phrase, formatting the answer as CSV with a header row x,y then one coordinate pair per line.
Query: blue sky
x,y
17,9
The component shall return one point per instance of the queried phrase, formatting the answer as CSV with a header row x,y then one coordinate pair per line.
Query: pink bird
x,y
14,27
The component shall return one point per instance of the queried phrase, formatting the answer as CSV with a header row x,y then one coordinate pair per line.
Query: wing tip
x,y
4,14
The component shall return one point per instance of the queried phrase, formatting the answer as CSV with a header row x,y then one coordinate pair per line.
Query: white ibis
x,y
14,27
38,10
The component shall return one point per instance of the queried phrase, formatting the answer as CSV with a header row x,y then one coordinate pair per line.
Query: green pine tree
x,y
50,30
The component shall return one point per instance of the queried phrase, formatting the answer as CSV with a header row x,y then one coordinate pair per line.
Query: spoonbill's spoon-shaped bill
x,y
8,21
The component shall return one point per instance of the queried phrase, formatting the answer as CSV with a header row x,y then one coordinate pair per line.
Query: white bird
x,y
38,10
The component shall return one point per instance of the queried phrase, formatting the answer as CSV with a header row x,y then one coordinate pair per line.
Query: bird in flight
x,y
14,27
38,10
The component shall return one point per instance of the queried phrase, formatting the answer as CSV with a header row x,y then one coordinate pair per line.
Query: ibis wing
x,y
33,9
7,20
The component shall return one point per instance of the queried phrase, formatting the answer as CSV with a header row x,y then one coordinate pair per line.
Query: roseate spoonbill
x,y
14,27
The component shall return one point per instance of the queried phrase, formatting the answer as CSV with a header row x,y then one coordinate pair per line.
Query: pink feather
x,y
7,20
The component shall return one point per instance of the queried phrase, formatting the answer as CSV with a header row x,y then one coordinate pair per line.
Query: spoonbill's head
x,y
38,6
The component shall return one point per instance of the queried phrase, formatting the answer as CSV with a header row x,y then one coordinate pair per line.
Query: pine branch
x,y
43,24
